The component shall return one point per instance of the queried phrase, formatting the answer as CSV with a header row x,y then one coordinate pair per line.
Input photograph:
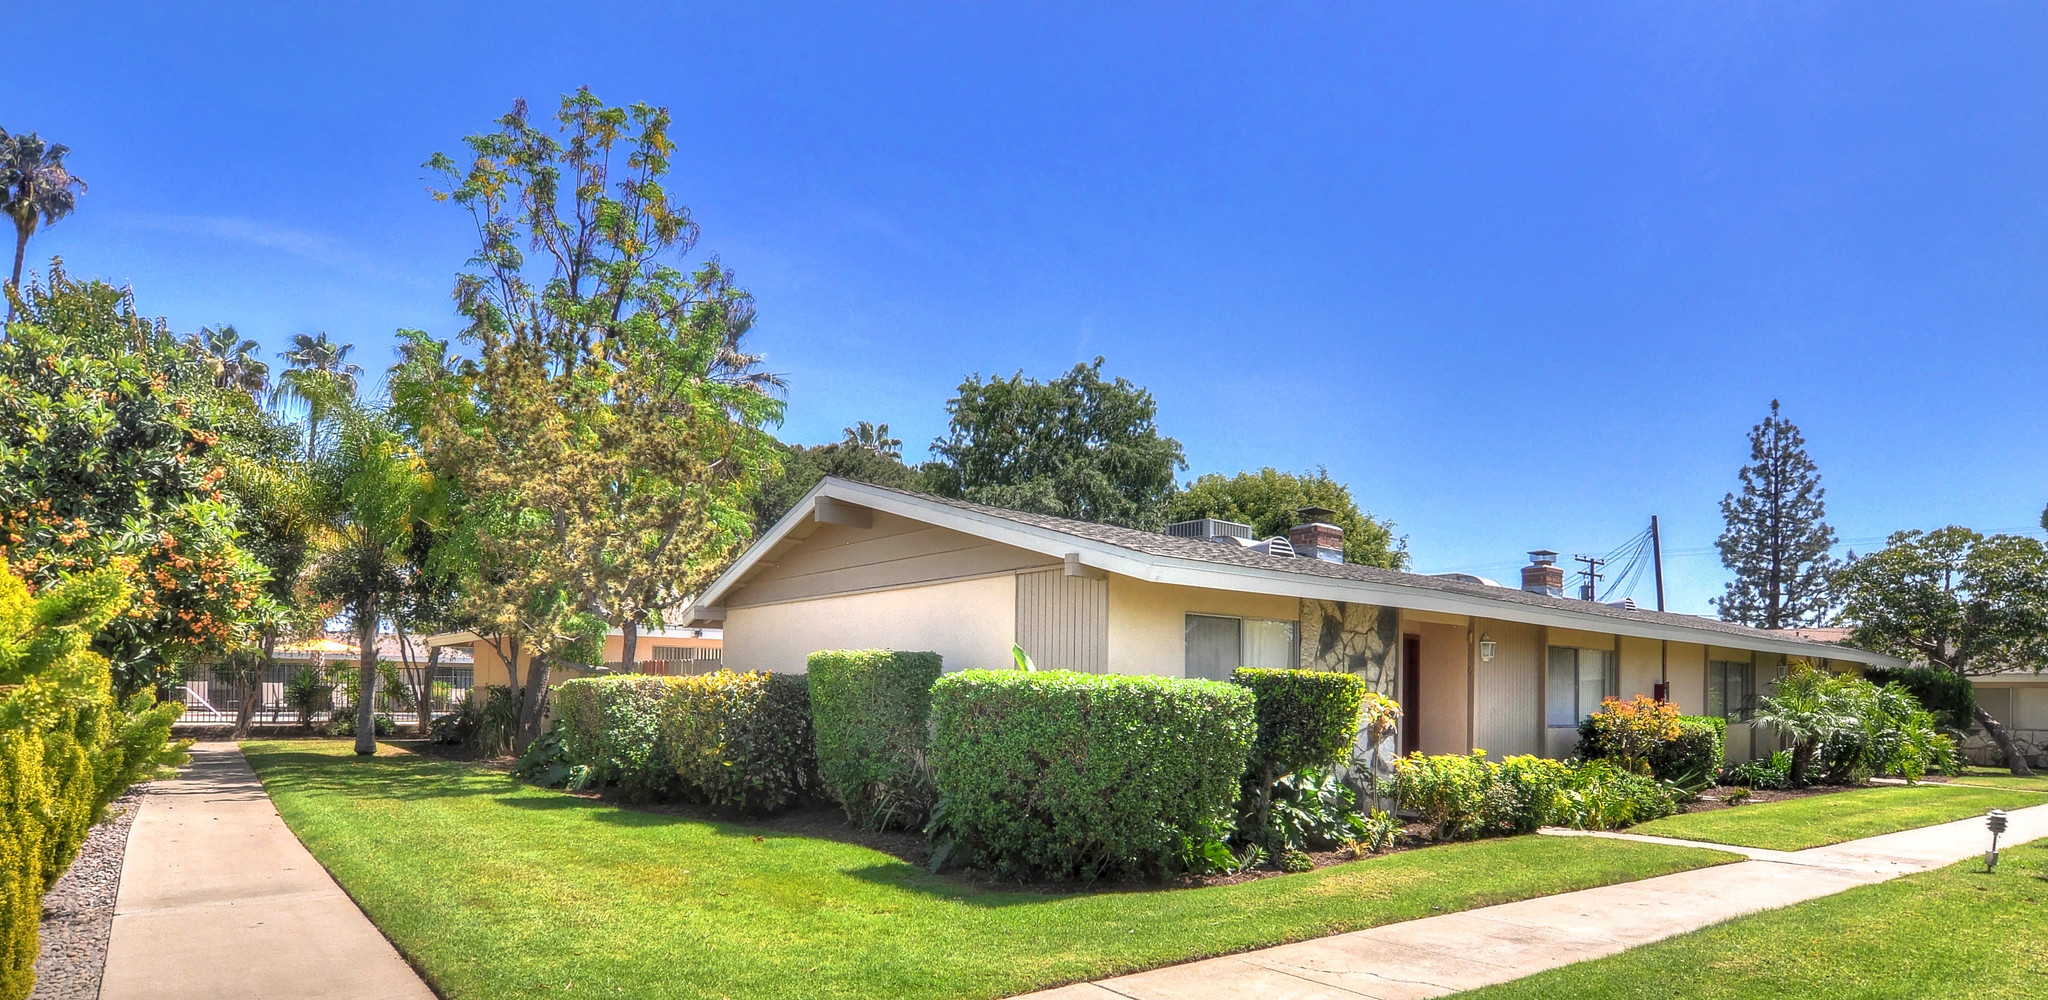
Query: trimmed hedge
x,y
1949,696
724,738
870,711
1307,718
1062,774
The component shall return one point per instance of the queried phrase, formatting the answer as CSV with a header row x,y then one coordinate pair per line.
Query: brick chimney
x,y
1543,575
1315,537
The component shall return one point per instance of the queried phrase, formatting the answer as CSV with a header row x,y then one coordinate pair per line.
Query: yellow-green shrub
x,y
66,749
740,739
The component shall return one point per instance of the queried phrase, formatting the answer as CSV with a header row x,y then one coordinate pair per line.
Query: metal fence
x,y
213,699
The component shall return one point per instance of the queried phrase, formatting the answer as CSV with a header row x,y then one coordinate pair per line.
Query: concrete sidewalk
x,y
1461,951
218,899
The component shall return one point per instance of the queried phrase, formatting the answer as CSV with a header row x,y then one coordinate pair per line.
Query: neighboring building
x,y
2020,700
209,699
659,651
1474,664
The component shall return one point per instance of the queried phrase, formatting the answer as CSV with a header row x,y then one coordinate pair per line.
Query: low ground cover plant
x,y
723,738
870,709
1052,773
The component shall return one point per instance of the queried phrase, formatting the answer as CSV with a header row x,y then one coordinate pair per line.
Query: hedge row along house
x,y
1473,663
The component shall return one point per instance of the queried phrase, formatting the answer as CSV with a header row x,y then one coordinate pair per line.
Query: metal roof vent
x,y
1209,529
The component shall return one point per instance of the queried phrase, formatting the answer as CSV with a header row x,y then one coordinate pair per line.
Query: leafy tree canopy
x,y
867,455
1957,600
608,437
1269,500
1079,446
114,453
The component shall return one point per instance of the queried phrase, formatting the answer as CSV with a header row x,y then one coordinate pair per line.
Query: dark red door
x,y
1411,689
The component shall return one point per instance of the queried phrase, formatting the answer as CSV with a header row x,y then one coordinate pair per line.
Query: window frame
x,y
1610,683
1243,639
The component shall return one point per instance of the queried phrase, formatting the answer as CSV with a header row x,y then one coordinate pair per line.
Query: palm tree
x,y
235,364
376,489
321,378
34,188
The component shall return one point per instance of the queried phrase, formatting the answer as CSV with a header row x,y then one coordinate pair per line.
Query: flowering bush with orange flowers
x,y
113,456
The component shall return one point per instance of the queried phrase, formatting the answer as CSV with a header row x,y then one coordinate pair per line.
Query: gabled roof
x,y
1192,562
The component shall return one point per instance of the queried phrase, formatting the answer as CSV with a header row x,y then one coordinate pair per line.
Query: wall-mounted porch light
x,y
1486,647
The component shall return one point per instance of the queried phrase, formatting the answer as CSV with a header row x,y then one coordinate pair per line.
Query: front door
x,y
1411,690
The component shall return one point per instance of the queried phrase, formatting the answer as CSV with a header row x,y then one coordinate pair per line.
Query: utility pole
x,y
1657,559
1591,588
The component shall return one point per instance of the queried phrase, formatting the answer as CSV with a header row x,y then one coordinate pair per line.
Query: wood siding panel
x,y
1509,699
896,552
1063,621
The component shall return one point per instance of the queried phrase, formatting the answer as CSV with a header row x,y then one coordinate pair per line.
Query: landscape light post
x,y
1995,819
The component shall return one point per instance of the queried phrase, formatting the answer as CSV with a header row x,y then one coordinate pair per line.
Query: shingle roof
x,y
1168,546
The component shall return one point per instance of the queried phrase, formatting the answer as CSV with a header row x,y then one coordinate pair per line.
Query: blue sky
x,y
1522,274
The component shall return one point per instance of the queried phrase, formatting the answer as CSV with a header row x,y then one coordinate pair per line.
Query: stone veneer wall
x,y
1362,639
1980,750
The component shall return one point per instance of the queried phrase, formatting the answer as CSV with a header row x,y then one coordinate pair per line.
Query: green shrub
x,y
1309,809
724,738
1770,773
67,749
612,725
742,739
1949,696
1092,775
1523,793
1306,719
1466,795
1646,733
309,693
1601,796
344,724
1448,791
870,712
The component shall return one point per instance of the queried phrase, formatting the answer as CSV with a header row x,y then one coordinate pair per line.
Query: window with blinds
x,y
1580,679
1219,644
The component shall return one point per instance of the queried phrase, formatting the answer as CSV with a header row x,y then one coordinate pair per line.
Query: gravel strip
x,y
78,912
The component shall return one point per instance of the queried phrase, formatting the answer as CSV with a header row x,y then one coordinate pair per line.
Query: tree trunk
x,y
2000,735
426,696
252,698
366,682
1802,758
532,703
20,248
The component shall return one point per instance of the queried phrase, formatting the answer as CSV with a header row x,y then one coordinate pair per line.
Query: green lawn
x,y
1820,820
1998,777
1956,932
500,890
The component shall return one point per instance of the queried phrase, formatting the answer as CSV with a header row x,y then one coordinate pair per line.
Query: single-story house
x,y
1473,663
658,651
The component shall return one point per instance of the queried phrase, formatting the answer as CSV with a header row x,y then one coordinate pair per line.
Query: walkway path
x,y
218,899
1462,951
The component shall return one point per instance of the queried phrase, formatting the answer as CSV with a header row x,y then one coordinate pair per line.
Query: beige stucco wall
x,y
1642,666
1147,621
1686,668
971,623
1444,715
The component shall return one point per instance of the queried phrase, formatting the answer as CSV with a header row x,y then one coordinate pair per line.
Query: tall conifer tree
x,y
1777,540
